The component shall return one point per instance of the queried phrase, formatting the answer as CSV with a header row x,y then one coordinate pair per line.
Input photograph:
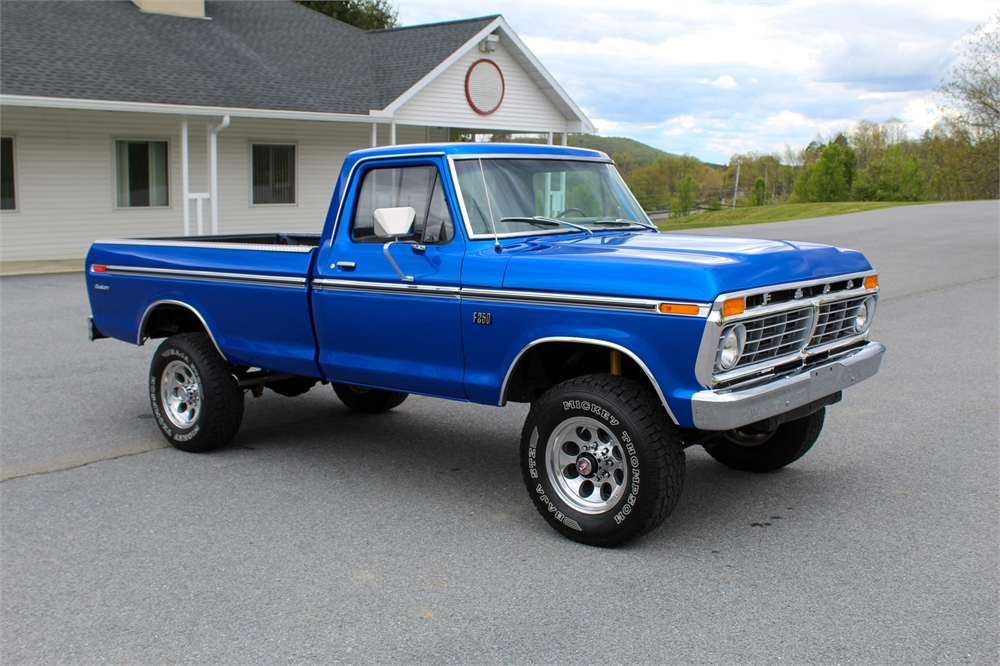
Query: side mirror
x,y
393,222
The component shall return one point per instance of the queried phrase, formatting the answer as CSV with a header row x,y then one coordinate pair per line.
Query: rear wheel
x,y
368,400
196,404
601,459
749,451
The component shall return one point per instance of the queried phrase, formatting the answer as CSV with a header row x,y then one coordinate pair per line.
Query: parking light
x,y
678,309
732,307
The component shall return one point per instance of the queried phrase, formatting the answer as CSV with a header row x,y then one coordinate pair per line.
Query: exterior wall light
x,y
489,45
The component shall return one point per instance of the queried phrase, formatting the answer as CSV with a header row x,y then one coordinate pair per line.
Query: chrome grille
x,y
774,336
835,320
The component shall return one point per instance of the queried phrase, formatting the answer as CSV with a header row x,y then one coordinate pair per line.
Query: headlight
x,y
731,347
863,317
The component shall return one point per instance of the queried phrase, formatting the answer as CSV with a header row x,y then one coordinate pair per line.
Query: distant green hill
x,y
640,152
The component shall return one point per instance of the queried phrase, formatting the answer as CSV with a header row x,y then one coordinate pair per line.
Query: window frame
x,y
295,165
17,194
114,172
472,235
439,183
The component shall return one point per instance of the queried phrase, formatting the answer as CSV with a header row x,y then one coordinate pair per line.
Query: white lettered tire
x,y
195,402
601,459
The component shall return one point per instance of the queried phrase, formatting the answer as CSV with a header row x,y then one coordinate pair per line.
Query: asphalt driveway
x,y
322,535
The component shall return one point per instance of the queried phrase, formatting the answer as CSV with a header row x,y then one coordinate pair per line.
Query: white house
x,y
174,117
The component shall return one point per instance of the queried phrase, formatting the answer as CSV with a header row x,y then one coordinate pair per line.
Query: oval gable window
x,y
484,87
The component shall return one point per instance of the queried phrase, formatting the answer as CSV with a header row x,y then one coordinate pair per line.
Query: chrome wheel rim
x,y
180,394
587,465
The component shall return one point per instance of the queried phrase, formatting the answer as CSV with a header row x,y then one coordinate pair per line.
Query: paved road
x,y
321,535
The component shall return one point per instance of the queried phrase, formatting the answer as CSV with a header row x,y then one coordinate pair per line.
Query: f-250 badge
x,y
485,318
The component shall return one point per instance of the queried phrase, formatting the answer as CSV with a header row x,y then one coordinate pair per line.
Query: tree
x,y
684,201
973,86
364,14
829,178
759,192
895,176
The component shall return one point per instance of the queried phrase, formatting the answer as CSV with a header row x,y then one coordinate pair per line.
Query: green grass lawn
x,y
777,213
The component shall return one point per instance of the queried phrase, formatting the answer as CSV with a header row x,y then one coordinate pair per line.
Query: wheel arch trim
x,y
597,343
141,337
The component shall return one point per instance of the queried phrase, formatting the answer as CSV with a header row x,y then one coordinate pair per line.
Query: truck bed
x,y
252,293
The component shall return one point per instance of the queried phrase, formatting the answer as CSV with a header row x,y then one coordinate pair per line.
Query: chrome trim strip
x,y
528,156
141,339
385,288
214,245
725,410
555,298
506,296
599,343
211,276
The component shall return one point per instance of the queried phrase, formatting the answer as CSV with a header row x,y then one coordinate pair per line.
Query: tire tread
x,y
224,398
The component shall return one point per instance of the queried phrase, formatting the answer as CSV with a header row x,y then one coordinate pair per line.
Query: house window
x,y
273,173
142,173
7,200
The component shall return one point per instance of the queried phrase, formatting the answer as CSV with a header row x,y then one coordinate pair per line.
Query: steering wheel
x,y
574,210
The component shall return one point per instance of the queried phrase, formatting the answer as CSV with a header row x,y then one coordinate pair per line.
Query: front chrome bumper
x,y
712,410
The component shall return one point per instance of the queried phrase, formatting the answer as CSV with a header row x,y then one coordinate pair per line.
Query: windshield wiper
x,y
546,222
626,222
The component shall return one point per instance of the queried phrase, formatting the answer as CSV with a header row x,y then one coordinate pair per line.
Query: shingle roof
x,y
259,55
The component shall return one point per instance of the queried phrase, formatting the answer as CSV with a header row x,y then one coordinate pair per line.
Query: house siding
x,y
524,107
65,176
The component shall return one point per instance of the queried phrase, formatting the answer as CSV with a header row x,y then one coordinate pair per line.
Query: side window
x,y
417,187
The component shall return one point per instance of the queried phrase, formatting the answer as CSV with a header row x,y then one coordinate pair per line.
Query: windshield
x,y
509,193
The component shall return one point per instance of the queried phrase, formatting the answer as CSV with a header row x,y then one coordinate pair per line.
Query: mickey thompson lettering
x,y
590,407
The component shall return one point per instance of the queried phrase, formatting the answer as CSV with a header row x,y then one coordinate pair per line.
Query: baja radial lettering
x,y
560,516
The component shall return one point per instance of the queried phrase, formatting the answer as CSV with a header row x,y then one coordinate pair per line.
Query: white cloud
x,y
670,74
724,81
920,115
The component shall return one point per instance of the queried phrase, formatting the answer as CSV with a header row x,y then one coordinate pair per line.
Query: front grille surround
x,y
785,342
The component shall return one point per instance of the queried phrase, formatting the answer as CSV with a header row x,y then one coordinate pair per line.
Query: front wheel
x,y
194,399
749,451
601,459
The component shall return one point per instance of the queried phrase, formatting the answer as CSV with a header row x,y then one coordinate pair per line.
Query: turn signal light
x,y
733,306
871,282
99,269
678,309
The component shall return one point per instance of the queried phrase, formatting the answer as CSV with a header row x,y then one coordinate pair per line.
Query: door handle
x,y
345,266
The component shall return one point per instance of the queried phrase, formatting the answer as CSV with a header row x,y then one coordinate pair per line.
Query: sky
x,y
711,79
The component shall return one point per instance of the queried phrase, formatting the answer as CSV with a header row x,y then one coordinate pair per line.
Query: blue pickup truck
x,y
495,273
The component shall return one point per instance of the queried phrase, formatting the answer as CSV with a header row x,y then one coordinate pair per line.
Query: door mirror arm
x,y
385,251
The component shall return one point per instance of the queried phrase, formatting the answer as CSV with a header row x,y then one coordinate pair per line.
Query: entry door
x,y
374,327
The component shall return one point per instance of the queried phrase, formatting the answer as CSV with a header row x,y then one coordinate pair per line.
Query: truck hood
x,y
671,266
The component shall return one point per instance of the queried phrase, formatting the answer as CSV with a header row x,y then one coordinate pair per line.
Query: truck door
x,y
375,328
